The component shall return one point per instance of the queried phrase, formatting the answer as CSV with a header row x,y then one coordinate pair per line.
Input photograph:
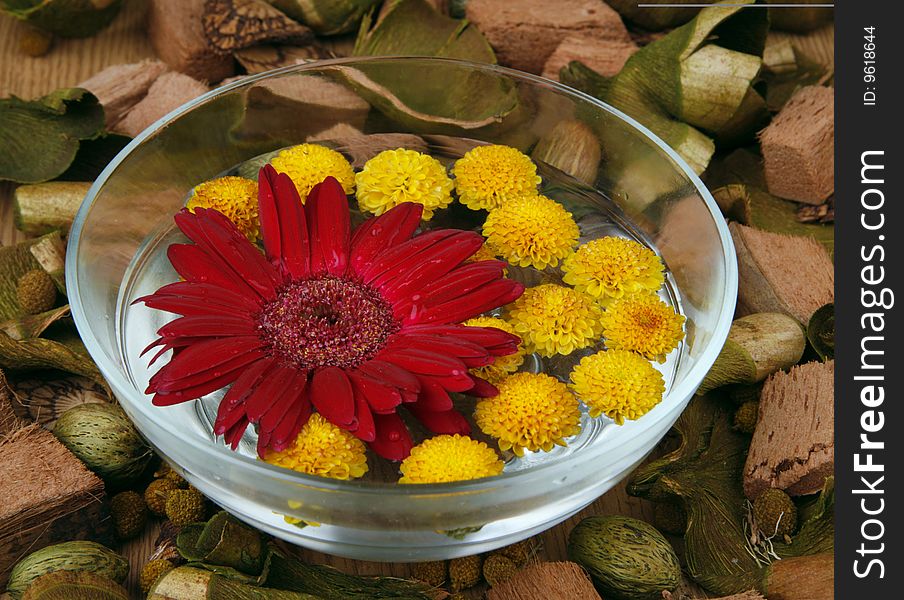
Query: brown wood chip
x,y
547,580
793,446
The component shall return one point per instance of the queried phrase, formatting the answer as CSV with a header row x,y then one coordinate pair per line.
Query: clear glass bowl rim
x,y
212,451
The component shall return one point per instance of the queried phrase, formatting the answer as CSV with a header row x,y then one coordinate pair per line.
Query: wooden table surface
x,y
71,61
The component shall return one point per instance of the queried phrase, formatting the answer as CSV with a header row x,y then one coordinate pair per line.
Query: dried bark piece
x,y
170,91
47,495
120,87
547,580
176,32
799,147
525,34
781,273
9,422
793,447
258,59
235,24
361,148
606,57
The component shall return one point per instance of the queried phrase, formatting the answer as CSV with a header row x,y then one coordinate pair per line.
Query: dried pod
x,y
74,585
464,572
68,556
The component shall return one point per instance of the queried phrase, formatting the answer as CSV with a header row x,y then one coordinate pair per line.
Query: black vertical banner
x,y
869,261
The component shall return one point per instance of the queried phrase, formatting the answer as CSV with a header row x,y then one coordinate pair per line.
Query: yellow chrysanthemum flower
x,y
235,197
323,449
644,324
620,384
532,412
503,365
309,164
396,176
554,319
487,177
531,231
446,458
610,267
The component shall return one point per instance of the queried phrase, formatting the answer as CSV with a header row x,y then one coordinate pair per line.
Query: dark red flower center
x,y
326,321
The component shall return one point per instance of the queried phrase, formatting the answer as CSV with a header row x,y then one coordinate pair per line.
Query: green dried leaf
x,y
693,86
66,18
94,155
755,206
326,17
32,326
39,139
704,475
787,71
43,353
653,19
421,94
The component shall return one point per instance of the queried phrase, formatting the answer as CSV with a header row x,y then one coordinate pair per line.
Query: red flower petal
x,y
393,442
195,265
198,326
446,422
496,341
328,217
205,359
232,406
283,224
381,398
267,393
424,362
195,295
482,388
367,429
377,234
221,238
333,397
292,395
396,376
389,260
493,295
425,267
235,433
286,432
451,383
471,354
433,396
462,280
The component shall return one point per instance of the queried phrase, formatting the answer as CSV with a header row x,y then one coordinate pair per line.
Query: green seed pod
x,y
68,556
74,585
628,559
103,437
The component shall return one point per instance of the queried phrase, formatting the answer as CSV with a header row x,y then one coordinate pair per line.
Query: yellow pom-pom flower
x,y
235,197
533,231
487,177
532,412
309,164
620,384
610,267
503,365
323,449
644,324
554,319
396,176
446,458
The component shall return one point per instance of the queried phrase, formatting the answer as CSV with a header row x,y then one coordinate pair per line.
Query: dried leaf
x,y
66,18
821,331
235,24
39,139
42,353
425,95
655,19
787,70
16,261
32,326
326,17
693,85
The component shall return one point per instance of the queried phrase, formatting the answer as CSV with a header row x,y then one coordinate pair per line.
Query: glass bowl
x,y
635,182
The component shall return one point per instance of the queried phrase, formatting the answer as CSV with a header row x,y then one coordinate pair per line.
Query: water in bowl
x,y
596,215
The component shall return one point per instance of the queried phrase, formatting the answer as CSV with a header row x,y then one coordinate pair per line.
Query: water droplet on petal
x,y
394,436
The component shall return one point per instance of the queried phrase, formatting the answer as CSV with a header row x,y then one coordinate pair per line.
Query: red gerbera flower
x,y
351,324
